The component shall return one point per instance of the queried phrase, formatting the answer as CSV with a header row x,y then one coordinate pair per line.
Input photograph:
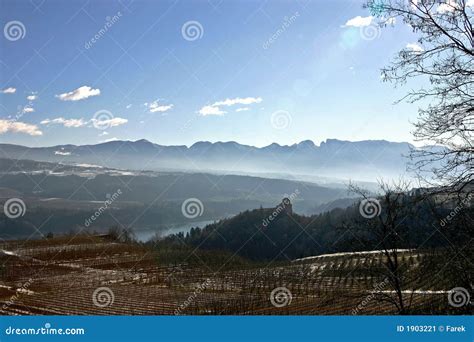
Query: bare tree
x,y
443,59
386,221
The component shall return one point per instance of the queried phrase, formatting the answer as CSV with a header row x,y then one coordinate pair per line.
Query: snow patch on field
x,y
348,253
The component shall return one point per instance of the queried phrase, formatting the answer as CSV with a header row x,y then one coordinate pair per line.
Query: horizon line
x,y
220,142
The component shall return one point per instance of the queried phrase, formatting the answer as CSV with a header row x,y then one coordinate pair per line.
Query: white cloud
x,y
210,110
470,3
76,123
32,97
359,21
448,6
79,94
65,122
238,100
103,134
111,122
156,107
128,106
161,108
415,47
215,109
19,127
109,140
243,109
28,109
9,90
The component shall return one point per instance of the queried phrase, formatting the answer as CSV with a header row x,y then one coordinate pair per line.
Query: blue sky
x,y
257,72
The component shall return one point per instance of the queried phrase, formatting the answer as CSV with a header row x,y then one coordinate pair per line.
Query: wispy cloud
x,y
415,47
214,109
19,127
155,107
243,109
28,109
65,122
109,140
210,110
9,90
113,122
76,123
238,100
80,93
32,97
359,21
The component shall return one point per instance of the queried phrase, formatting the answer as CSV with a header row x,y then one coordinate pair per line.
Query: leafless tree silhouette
x,y
443,58
390,229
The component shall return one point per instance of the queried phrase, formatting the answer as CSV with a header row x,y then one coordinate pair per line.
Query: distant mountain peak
x,y
272,145
142,141
200,144
306,144
333,142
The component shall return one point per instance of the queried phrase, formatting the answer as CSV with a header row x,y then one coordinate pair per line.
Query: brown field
x,y
59,276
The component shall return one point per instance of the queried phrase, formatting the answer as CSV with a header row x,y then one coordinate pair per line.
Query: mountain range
x,y
336,159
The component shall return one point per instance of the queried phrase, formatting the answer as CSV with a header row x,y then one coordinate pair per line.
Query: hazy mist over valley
x,y
227,177
332,159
